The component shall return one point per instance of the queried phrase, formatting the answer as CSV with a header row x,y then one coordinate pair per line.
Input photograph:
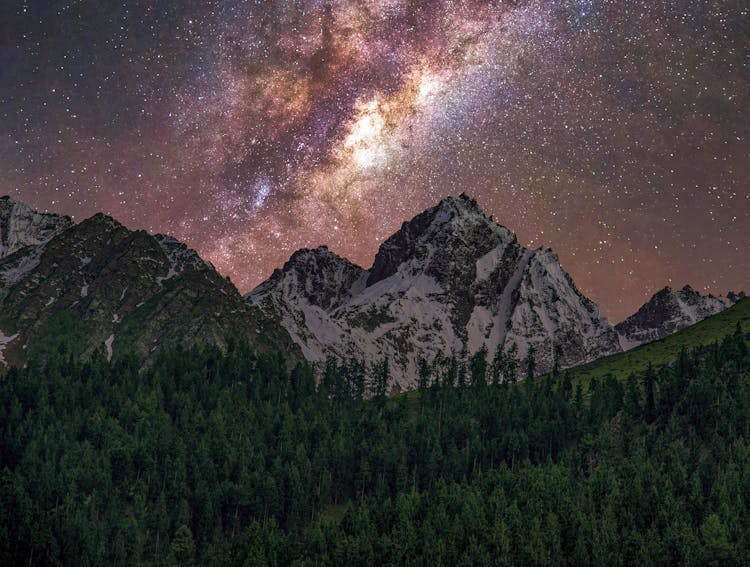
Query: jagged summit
x,y
450,280
21,226
305,255
456,227
668,311
315,276
459,206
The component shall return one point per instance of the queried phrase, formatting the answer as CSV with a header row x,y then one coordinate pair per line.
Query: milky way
x,y
617,133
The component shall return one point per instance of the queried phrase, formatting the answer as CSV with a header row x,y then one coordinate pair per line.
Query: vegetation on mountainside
x,y
218,458
667,349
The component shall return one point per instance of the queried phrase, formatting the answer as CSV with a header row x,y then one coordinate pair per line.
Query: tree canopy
x,y
213,458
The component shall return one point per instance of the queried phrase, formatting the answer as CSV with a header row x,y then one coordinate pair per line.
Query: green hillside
x,y
209,458
665,350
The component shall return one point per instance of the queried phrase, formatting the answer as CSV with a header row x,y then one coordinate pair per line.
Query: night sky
x,y
616,132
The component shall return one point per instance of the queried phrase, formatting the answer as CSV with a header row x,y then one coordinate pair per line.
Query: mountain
x,y
669,311
97,284
448,282
711,330
20,226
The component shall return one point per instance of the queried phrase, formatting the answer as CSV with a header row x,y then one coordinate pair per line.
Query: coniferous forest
x,y
211,458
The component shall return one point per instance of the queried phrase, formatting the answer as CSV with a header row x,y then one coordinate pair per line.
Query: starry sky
x,y
616,132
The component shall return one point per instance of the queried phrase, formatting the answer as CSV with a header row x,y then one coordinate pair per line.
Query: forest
x,y
231,458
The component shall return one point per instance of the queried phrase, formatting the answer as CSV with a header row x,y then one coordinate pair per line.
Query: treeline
x,y
231,458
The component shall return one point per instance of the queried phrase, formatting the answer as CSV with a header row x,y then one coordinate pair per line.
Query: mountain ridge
x,y
448,282
669,311
99,285
21,226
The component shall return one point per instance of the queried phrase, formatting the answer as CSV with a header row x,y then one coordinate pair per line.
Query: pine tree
x,y
530,363
182,548
478,367
380,377
512,363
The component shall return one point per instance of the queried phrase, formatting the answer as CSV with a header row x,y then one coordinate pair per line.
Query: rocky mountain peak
x,y
450,280
668,311
456,227
461,205
315,276
734,297
305,256
318,264
179,255
21,226
98,285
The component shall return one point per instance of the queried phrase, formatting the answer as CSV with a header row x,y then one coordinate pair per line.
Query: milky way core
x,y
616,132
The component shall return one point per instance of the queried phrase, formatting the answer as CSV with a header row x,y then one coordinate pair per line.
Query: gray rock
x,y
669,311
20,226
448,282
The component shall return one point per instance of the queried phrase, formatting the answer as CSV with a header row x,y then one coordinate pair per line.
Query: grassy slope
x,y
659,352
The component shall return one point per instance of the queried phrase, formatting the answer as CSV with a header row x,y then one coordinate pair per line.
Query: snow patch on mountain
x,y
487,263
108,344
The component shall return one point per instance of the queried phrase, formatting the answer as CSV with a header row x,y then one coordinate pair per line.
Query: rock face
x,y
669,311
99,285
448,282
21,226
